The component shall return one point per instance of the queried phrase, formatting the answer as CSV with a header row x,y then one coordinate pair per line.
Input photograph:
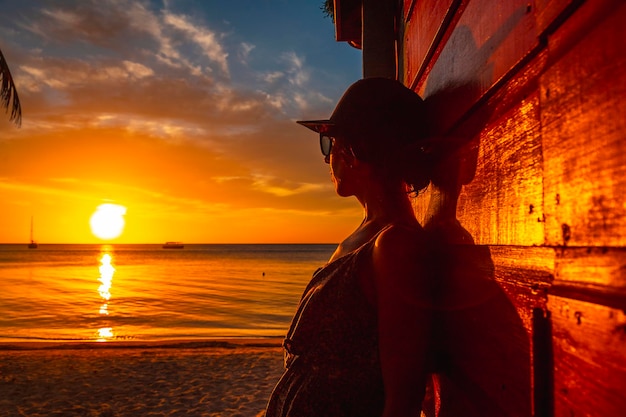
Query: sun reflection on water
x,y
105,333
106,280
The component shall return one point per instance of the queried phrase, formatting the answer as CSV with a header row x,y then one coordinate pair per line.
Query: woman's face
x,y
342,161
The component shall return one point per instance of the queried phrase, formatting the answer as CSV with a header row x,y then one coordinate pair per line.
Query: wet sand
x,y
216,378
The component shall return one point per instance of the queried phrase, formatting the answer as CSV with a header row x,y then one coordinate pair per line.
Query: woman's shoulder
x,y
399,248
401,265
398,239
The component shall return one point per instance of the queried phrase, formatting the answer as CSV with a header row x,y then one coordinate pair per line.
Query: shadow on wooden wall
x,y
482,348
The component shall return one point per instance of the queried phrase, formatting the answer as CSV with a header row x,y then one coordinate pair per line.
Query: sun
x,y
107,222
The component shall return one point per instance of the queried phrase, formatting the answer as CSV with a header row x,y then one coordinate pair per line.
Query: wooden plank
x,y
426,23
379,39
596,266
551,13
542,364
534,265
503,203
500,105
483,48
562,114
589,358
348,23
589,339
525,273
594,275
584,129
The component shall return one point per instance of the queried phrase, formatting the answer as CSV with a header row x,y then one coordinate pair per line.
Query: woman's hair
x,y
413,165
385,124
411,162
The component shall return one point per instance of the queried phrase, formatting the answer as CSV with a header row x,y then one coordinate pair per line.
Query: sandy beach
x,y
216,378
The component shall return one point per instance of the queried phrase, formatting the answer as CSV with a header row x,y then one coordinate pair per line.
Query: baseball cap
x,y
374,114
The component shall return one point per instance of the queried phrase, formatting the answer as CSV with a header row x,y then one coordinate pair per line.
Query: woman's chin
x,y
342,191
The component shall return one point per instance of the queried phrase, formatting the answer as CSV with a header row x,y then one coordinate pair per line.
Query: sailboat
x,y
32,244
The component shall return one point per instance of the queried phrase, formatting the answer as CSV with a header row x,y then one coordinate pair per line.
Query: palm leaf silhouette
x,y
8,92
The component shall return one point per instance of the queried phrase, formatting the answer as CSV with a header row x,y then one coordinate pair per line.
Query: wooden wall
x,y
530,98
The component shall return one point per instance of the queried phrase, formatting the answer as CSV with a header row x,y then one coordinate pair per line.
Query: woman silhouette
x,y
359,342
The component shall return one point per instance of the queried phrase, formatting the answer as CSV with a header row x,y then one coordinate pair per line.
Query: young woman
x,y
359,342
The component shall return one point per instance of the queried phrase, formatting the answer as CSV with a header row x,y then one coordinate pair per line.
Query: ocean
x,y
147,293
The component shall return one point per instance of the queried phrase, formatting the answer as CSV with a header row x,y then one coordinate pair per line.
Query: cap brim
x,y
319,126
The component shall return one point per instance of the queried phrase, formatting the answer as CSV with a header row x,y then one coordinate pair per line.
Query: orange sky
x,y
185,116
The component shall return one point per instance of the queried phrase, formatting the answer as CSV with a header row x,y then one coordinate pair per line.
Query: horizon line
x,y
184,243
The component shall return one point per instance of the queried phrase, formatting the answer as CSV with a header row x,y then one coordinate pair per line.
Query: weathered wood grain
x,y
525,274
534,265
591,274
426,24
584,131
592,265
482,48
503,204
589,344
586,341
539,90
551,13
461,147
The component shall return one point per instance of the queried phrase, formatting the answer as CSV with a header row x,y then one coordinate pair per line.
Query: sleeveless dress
x,y
332,365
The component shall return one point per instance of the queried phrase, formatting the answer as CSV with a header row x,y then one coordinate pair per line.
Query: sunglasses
x,y
326,144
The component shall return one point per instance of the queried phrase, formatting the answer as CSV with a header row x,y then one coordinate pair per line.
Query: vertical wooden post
x,y
543,364
378,39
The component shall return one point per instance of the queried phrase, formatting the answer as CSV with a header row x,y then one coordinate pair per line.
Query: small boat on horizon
x,y
173,245
32,244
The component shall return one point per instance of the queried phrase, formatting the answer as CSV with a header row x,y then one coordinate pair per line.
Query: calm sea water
x,y
145,292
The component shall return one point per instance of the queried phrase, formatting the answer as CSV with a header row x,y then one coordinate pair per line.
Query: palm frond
x,y
328,9
8,93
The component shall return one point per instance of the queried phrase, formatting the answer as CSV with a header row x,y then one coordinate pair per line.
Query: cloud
x,y
137,70
275,186
203,37
173,131
66,74
160,71
76,189
128,28
244,51
298,74
272,77
100,23
125,68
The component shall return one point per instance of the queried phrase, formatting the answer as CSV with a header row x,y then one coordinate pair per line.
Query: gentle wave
x,y
144,292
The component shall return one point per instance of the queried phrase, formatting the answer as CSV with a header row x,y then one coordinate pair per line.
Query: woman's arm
x,y
404,318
